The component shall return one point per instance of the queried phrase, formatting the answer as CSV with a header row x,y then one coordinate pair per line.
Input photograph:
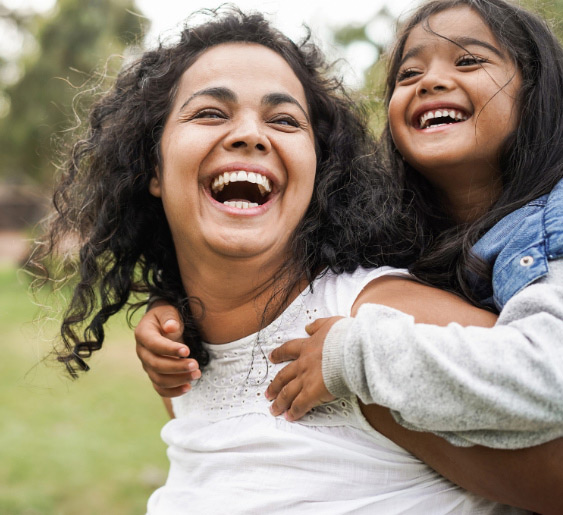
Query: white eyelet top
x,y
228,454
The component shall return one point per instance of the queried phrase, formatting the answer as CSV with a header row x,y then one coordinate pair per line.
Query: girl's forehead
x,y
456,24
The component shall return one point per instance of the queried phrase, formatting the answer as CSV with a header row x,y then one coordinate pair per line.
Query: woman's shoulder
x,y
337,292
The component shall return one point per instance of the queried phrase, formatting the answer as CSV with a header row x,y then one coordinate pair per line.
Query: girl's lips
x,y
437,114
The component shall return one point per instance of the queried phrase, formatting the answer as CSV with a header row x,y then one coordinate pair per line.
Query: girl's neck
x,y
467,200
468,206
236,298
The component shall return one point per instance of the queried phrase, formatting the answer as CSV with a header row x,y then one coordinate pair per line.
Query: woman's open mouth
x,y
241,189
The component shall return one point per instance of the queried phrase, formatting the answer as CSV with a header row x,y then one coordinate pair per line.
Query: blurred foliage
x,y
372,92
72,45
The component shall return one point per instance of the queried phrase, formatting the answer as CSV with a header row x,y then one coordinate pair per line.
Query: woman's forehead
x,y
241,64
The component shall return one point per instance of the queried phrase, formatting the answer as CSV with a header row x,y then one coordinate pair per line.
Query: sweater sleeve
x,y
499,387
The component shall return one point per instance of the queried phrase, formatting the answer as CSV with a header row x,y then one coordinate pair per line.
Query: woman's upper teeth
x,y
456,116
264,184
241,204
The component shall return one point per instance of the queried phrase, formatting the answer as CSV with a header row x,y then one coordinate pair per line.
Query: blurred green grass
x,y
90,446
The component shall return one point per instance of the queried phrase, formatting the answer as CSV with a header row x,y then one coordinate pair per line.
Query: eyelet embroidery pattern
x,y
239,372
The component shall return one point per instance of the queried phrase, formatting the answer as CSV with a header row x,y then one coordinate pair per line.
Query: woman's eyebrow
x,y
220,93
461,42
274,99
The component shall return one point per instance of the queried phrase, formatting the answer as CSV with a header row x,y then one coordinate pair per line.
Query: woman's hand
x,y
162,351
300,386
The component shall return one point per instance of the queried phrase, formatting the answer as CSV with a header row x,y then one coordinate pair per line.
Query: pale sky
x,y
287,15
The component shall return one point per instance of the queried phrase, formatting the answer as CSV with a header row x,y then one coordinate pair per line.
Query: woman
x,y
226,174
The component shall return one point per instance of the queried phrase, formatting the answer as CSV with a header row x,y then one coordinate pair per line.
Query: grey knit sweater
x,y
500,387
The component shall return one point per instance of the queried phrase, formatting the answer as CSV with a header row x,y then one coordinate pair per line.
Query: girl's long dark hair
x,y
103,200
531,159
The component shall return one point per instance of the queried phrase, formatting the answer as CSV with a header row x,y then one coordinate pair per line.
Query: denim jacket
x,y
520,246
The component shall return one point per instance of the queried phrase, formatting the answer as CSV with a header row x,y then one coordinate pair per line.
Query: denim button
x,y
526,260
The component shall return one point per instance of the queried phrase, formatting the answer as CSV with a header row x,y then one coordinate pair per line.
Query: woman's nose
x,y
248,134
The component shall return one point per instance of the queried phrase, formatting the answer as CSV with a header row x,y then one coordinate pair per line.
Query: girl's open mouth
x,y
437,117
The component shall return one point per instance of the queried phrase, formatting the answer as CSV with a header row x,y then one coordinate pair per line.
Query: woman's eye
x,y
406,74
470,60
288,121
209,113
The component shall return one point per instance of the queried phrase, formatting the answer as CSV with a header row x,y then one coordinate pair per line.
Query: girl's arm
x,y
162,351
529,478
499,387
435,371
168,406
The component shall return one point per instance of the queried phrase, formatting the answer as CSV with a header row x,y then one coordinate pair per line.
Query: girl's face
x,y
238,156
454,102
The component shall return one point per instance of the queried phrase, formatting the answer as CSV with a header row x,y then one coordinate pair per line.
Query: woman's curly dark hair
x,y
531,159
103,196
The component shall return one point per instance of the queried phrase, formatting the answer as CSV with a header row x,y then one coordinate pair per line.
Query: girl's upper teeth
x,y
441,113
264,184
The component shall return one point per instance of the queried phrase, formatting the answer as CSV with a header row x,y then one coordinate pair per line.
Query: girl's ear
x,y
154,184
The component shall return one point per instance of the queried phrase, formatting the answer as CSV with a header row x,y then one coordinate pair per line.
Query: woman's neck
x,y
235,299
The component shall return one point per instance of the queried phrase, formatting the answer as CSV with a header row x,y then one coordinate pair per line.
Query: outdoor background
x,y
92,446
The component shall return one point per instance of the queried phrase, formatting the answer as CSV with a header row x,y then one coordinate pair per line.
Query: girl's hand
x,y
299,386
162,351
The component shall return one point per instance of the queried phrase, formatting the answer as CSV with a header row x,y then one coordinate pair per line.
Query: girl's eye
x,y
407,73
285,120
470,60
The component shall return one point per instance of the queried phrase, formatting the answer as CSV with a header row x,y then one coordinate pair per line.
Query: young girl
x,y
475,131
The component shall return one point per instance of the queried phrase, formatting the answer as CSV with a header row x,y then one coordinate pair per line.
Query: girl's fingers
x,y
163,364
168,320
285,398
287,352
284,376
168,381
148,335
172,392
314,326
299,407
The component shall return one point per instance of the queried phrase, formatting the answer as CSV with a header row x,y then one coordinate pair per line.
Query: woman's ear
x,y
154,184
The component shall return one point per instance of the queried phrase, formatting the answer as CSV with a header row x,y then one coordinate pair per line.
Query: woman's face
x,y
237,156
454,101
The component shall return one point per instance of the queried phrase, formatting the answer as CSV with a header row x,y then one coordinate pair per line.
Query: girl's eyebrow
x,y
228,95
461,42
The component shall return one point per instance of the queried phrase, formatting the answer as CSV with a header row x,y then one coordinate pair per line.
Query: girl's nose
x,y
434,81
247,134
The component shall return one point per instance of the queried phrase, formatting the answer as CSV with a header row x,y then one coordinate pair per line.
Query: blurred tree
x,y
72,48
551,10
376,30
